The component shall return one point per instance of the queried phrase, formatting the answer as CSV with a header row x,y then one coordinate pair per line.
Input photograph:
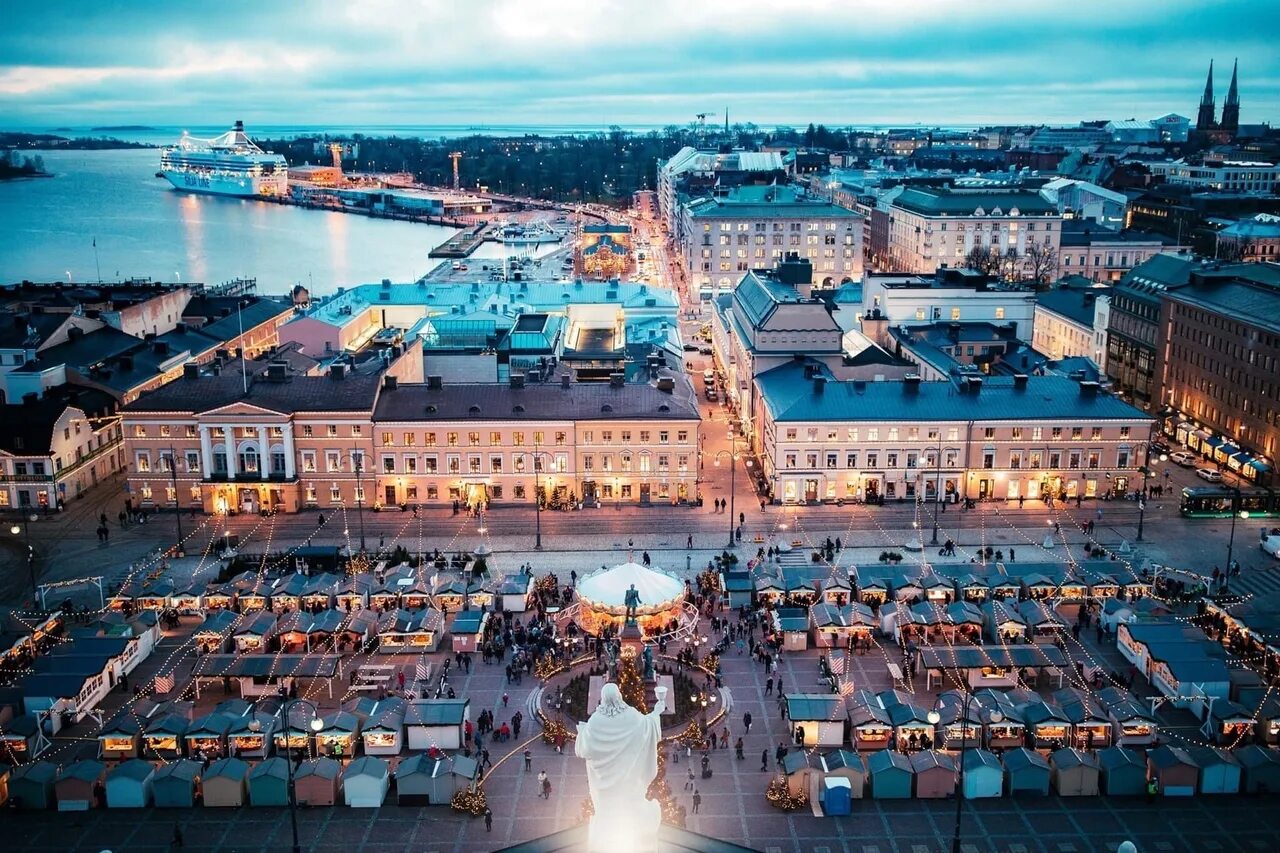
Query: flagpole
x,y
244,367
95,259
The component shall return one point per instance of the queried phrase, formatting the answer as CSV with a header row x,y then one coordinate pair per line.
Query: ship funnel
x,y
239,126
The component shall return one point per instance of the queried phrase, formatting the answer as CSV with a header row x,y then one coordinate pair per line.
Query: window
x,y
1055,459
1015,459
999,313
451,439
332,461
913,460
495,464
191,430
139,431
791,435
388,439
988,460
408,439
193,462
1077,433
873,434
1017,434
431,464
790,460
989,432
891,460
388,464
453,462
473,439
1035,459
1122,459
955,314
1057,433
560,439
1124,432
517,438
893,433
1073,460
853,434
331,430
832,459
164,431
1095,433
356,430
664,437
430,439
851,460
309,461
644,436
473,463
1036,433
410,464
495,439
1094,458
682,436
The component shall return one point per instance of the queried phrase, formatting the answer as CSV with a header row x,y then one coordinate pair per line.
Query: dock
x,y
462,244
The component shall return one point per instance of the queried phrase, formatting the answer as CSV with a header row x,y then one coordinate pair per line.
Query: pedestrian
x,y
746,723
488,812
400,679
542,777
737,748
697,800
768,685
546,788
1153,788
505,699
1011,557
764,759
688,785
178,840
689,543
528,760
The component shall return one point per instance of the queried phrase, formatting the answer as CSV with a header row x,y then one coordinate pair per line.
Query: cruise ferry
x,y
230,164
533,234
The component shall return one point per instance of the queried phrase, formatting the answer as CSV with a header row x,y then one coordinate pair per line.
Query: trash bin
x,y
837,796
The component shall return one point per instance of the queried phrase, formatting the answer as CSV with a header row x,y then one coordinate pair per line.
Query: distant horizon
x,y
500,63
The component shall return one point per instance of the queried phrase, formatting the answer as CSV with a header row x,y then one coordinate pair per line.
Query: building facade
x,y
934,226
981,438
1103,255
754,227
1067,323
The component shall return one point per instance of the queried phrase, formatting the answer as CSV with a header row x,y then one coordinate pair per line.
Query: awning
x,y
1259,465
1238,459
1214,441
1228,450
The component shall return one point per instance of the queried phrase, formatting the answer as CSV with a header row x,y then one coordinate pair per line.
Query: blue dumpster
x,y
837,796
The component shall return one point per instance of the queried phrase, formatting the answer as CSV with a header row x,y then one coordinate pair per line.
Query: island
x,y
14,139
13,166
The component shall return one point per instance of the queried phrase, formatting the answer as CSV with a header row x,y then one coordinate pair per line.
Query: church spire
x,y
1205,118
1231,110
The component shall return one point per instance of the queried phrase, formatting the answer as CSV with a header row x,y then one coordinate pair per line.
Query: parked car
x,y
704,350
690,347
1209,474
708,376
1185,458
1270,543
712,394
1158,447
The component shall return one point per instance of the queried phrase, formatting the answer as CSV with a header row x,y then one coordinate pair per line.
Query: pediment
x,y
240,409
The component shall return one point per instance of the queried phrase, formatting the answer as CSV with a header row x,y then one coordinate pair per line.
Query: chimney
x,y
819,384
975,385
190,371
911,383
564,380
617,379
808,371
161,347
30,399
338,371
75,332
517,380
435,383
1089,388
1020,381
666,385
389,382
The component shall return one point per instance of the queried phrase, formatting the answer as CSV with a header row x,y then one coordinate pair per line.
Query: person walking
x,y
746,723
737,748
689,543
488,819
528,760
542,779
768,685
780,753
546,788
177,841
697,800
688,784
764,759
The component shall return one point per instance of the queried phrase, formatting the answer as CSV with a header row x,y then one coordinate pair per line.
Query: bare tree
x,y
1042,260
1010,264
983,259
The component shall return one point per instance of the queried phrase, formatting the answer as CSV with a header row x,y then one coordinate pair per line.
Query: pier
x,y
462,244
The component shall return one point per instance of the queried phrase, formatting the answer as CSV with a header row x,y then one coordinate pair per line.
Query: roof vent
x,y
517,380
1089,388
191,370
389,383
564,380
431,409
435,383
517,409
1020,381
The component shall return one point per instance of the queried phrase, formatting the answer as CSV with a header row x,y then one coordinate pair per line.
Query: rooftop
x,y
1076,304
941,201
26,428
297,393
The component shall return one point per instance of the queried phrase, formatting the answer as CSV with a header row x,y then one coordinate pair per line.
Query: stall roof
x,y
803,707
467,621
1017,759
1170,756
436,712
268,666
1114,757
972,657
325,768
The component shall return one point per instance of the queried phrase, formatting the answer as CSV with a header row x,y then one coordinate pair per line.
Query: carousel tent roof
x,y
609,586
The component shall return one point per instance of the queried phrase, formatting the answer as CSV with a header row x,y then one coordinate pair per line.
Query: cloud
x,y
625,61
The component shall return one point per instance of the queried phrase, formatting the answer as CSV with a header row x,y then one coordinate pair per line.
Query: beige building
x,y
1004,438
934,226
1071,321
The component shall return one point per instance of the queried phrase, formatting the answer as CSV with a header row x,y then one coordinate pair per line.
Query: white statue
x,y
620,746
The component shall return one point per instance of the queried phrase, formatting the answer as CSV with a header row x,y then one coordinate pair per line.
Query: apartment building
x,y
1003,438
947,295
1218,362
723,237
1070,321
1104,255
371,439
935,226
693,172
1218,173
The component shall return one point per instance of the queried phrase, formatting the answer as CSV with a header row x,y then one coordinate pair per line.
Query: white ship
x,y
533,234
230,164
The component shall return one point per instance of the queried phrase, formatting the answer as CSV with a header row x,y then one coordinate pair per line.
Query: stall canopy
x,y
1075,773
1027,772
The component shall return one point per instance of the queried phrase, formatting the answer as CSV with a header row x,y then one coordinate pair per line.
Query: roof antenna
x,y
244,368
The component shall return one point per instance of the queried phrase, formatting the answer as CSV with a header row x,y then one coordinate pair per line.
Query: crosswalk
x,y
1255,582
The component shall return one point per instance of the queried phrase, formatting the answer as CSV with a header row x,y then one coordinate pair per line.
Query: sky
x,y
628,62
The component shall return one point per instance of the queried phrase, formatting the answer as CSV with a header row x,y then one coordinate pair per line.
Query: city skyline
x,y
572,63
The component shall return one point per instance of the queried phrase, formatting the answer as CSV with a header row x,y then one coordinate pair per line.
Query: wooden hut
x,y
983,774
466,630
213,635
801,769
411,631
839,627
176,783
511,595
1043,623
249,735
79,786
286,595
1124,772
121,737
1074,773
207,735
1002,622
891,775
226,783
841,763
1004,588
792,623
422,780
358,632
319,592
873,591
365,782
1176,772
1260,768
1227,722
935,774
337,737
252,634
269,783
1091,728
973,588
816,719
317,781
129,784
382,731
1047,726
31,785
20,739
1220,773
352,594
1131,723
1026,772
869,726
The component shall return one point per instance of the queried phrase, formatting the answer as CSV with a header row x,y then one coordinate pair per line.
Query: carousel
x,y
602,598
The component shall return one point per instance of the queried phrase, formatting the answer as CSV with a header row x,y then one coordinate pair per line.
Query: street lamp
x,y
1243,514
934,718
937,487
1142,499
702,700
25,530
315,725
357,459
177,507
537,499
733,476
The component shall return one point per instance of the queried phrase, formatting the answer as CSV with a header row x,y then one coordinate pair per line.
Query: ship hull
x,y
226,185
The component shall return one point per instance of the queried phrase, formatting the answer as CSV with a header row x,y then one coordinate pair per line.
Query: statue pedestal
x,y
632,644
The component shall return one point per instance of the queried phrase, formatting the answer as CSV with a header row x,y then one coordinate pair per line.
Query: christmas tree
x,y
631,684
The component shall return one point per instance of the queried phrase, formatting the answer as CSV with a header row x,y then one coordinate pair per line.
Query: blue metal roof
x,y
791,397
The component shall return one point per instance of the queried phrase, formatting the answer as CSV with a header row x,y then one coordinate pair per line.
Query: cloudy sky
x,y
412,62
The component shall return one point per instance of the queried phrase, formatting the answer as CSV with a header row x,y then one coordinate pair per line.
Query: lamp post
x,y
937,487
703,699
1241,513
1142,499
25,530
357,460
537,499
315,725
177,508
733,476
934,718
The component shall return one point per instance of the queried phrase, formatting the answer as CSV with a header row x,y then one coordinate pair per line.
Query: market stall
x,y
79,786
252,633
840,627
1123,772
792,623
800,768
1047,726
352,593
974,588
382,731
983,774
225,783
269,783
891,775
1131,723
843,764
176,783
1044,625
989,666
1074,773
207,736
1176,772
338,735
1026,772
121,737
935,773
317,781
1091,728
249,735
815,719
602,598
31,785
409,631
20,739
870,728
214,634
436,722
365,782
466,630
512,594
129,784
1260,768
1220,773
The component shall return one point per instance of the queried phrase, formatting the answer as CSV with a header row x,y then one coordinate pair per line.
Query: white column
x,y
206,452
229,434
264,452
289,469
